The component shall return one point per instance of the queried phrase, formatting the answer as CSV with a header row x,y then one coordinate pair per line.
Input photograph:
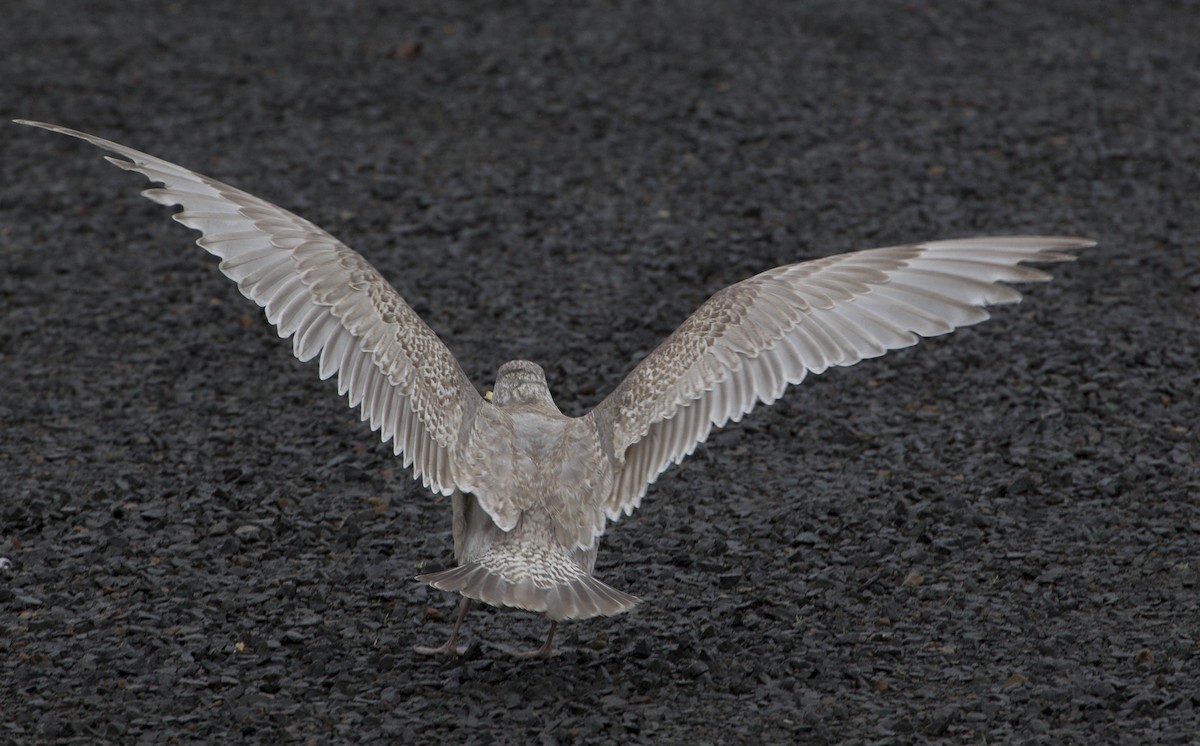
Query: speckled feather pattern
x,y
532,489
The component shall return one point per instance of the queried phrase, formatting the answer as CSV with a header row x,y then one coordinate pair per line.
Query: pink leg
x,y
544,651
448,648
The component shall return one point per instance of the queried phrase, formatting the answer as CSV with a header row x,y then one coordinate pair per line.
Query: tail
x,y
577,597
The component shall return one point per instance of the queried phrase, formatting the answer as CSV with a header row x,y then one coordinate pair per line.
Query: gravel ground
x,y
990,538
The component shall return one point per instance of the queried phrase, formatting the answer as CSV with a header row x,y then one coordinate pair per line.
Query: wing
x,y
332,303
752,339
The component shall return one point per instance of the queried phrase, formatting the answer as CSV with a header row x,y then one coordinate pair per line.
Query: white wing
x,y
752,339
332,303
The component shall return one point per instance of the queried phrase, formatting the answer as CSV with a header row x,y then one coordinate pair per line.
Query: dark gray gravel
x,y
993,537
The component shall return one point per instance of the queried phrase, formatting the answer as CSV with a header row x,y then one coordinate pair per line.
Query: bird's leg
x,y
544,651
448,648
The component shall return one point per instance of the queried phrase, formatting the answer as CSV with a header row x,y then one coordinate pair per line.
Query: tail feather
x,y
579,597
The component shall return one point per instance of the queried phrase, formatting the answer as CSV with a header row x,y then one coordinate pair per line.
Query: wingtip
x,y
1023,248
1069,243
99,142
1062,248
41,125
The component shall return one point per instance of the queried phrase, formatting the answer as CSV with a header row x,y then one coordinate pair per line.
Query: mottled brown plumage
x,y
532,490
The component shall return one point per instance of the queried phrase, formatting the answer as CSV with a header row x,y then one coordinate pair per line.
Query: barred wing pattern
x,y
332,303
749,341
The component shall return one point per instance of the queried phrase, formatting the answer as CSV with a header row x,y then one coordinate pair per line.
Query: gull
x,y
531,489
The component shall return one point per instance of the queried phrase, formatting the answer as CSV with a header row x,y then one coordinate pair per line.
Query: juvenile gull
x,y
532,489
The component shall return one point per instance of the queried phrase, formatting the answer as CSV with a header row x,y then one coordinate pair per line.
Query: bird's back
x,y
531,519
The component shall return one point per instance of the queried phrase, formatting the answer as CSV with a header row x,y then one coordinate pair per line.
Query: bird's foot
x,y
543,653
448,648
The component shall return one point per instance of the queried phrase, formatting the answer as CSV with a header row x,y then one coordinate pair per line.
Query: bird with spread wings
x,y
532,490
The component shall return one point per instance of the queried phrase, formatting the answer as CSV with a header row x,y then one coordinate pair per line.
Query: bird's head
x,y
520,382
